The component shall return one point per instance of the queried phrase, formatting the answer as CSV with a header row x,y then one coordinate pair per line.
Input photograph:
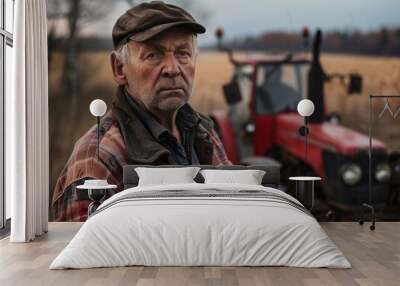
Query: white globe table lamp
x,y
305,184
305,108
97,189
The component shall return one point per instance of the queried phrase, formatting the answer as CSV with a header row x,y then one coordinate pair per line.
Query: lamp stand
x,y
98,138
306,139
303,131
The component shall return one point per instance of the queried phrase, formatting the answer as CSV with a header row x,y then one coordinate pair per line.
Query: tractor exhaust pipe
x,y
316,79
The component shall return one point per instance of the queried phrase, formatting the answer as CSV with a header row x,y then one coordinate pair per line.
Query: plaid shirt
x,y
114,154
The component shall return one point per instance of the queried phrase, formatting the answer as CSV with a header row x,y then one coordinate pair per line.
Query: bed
x,y
201,224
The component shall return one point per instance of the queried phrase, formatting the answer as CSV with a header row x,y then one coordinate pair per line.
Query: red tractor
x,y
262,122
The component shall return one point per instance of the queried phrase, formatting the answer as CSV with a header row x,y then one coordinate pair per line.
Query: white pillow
x,y
162,176
248,177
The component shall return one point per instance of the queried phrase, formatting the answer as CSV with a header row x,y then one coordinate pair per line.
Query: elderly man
x,y
151,122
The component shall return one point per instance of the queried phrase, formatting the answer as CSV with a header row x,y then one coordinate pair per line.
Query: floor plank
x,y
374,255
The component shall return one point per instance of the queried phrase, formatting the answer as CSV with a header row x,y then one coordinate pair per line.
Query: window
x,y
6,45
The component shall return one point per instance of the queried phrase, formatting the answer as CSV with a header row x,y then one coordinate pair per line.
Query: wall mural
x,y
250,87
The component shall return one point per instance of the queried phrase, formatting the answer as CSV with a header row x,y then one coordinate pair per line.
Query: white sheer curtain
x,y
27,147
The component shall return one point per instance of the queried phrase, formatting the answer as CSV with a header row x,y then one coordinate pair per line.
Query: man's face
x,y
160,71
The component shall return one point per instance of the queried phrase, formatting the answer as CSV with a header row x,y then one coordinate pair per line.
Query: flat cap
x,y
146,20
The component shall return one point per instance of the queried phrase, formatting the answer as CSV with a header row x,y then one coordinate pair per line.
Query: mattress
x,y
201,225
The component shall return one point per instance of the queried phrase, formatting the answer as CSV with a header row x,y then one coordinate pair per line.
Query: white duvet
x,y
207,230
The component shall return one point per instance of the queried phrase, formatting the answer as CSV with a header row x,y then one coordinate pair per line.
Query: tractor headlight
x,y
383,173
351,174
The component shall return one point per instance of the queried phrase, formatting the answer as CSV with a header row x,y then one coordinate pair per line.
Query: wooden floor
x,y
375,257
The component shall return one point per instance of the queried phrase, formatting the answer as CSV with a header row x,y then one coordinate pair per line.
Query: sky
x,y
253,17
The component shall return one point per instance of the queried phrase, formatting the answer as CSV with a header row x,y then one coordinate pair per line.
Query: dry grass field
x,y
380,75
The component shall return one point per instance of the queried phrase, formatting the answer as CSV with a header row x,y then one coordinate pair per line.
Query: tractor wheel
x,y
292,166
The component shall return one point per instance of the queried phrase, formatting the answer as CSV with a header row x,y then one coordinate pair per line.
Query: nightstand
x,y
97,191
305,190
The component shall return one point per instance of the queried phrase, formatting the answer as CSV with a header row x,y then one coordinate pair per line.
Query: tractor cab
x,y
262,87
